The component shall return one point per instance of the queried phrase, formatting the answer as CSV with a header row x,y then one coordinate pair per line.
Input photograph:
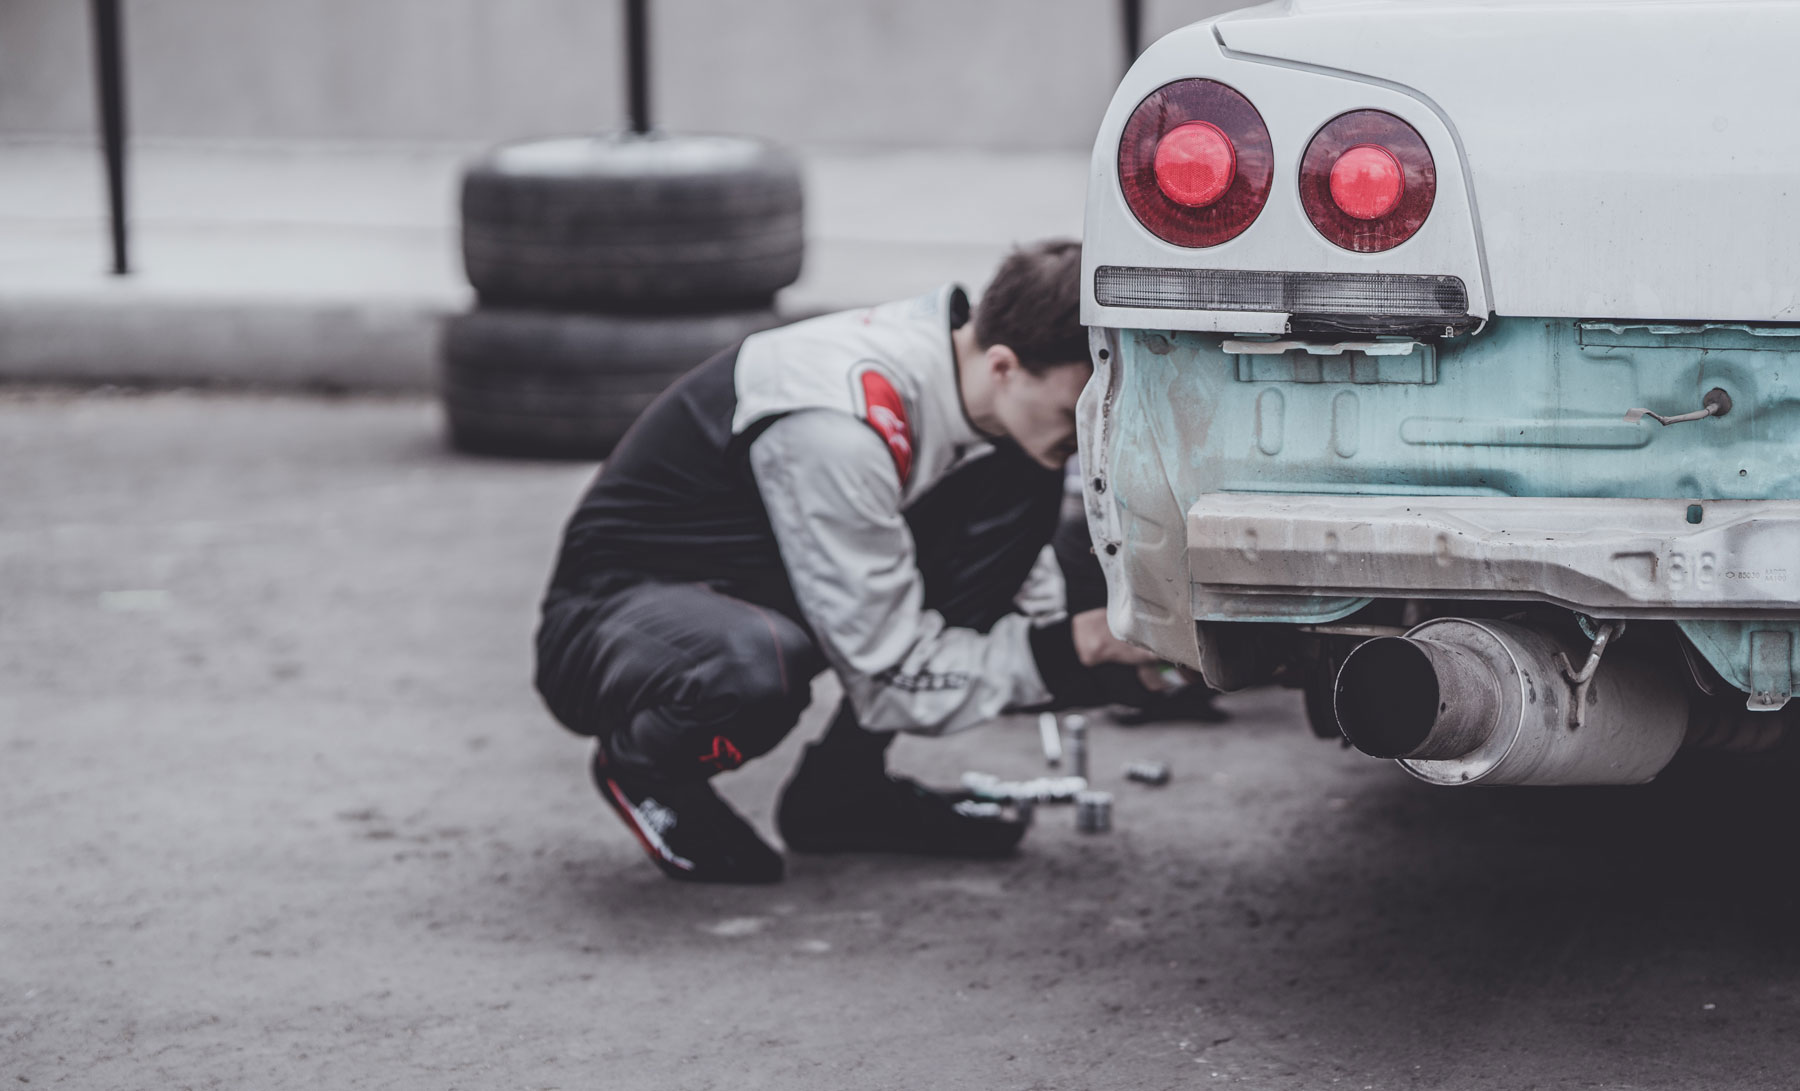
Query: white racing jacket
x,y
868,417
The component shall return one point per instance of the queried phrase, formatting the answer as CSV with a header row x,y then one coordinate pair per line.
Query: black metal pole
x,y
109,65
637,62
1133,12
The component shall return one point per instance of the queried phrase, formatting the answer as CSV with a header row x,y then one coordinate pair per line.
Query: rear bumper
x,y
1606,557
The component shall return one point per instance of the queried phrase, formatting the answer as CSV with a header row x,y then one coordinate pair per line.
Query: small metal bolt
x,y
1078,744
1093,812
1153,773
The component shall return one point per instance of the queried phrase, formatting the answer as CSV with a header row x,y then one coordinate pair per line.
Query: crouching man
x,y
866,492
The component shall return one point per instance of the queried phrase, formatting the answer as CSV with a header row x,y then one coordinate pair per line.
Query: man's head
x,y
1033,355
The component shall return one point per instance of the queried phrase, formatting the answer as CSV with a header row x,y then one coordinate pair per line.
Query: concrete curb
x,y
266,345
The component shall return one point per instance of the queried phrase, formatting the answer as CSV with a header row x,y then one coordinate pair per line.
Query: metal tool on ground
x,y
1023,810
1093,812
1078,745
1052,739
1153,773
979,808
987,786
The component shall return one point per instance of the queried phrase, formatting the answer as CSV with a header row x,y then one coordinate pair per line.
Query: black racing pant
x,y
683,680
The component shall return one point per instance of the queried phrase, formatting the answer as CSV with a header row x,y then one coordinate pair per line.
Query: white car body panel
x,y
1685,210
1293,105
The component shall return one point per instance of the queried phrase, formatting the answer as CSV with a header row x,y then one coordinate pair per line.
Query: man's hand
x,y
1095,644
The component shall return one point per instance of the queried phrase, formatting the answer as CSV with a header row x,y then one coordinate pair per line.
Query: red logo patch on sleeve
x,y
886,413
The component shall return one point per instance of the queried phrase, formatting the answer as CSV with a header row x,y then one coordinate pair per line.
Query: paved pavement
x,y
279,809
295,266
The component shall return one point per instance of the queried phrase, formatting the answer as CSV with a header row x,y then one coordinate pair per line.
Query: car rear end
x,y
1389,304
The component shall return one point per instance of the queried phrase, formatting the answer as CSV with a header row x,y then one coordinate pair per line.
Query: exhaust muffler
x,y
1462,701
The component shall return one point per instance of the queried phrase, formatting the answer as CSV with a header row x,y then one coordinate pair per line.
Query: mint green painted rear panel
x,y
1528,407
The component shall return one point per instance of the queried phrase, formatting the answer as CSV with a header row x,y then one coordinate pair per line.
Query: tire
x,y
1321,710
626,222
550,385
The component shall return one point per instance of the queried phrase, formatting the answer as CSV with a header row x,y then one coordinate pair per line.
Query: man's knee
x,y
678,680
751,691
735,706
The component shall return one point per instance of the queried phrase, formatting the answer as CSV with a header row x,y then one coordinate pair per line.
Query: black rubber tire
x,y
1321,708
624,222
544,384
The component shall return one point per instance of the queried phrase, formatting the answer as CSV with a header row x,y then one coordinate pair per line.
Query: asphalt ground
x,y
281,810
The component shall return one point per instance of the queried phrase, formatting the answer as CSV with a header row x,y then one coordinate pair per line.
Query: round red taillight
x,y
1196,163
1367,181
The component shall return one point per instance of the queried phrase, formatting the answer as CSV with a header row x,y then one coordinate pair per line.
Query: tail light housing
x,y
1196,163
1367,181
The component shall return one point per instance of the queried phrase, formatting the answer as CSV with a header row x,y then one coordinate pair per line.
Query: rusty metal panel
x,y
1603,557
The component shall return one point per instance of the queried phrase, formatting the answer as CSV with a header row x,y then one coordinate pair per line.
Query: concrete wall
x,y
990,73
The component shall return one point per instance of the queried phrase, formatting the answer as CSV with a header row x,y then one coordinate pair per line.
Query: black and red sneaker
x,y
686,829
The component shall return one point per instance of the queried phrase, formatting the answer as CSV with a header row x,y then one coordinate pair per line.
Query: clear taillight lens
x,y
1367,181
1196,163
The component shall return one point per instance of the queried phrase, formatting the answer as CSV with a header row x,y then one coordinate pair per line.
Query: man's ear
x,y
1002,361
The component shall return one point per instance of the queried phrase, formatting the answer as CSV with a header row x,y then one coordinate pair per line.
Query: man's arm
x,y
833,498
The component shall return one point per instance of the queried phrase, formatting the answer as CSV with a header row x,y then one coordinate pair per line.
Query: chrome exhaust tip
x,y
1464,701
1397,697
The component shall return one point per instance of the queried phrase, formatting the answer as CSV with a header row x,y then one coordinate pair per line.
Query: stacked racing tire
x,y
604,268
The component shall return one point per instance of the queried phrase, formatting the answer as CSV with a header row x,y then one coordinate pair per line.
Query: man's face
x,y
1038,411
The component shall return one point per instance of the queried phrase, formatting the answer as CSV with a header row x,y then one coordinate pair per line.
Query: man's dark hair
x,y
1033,306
